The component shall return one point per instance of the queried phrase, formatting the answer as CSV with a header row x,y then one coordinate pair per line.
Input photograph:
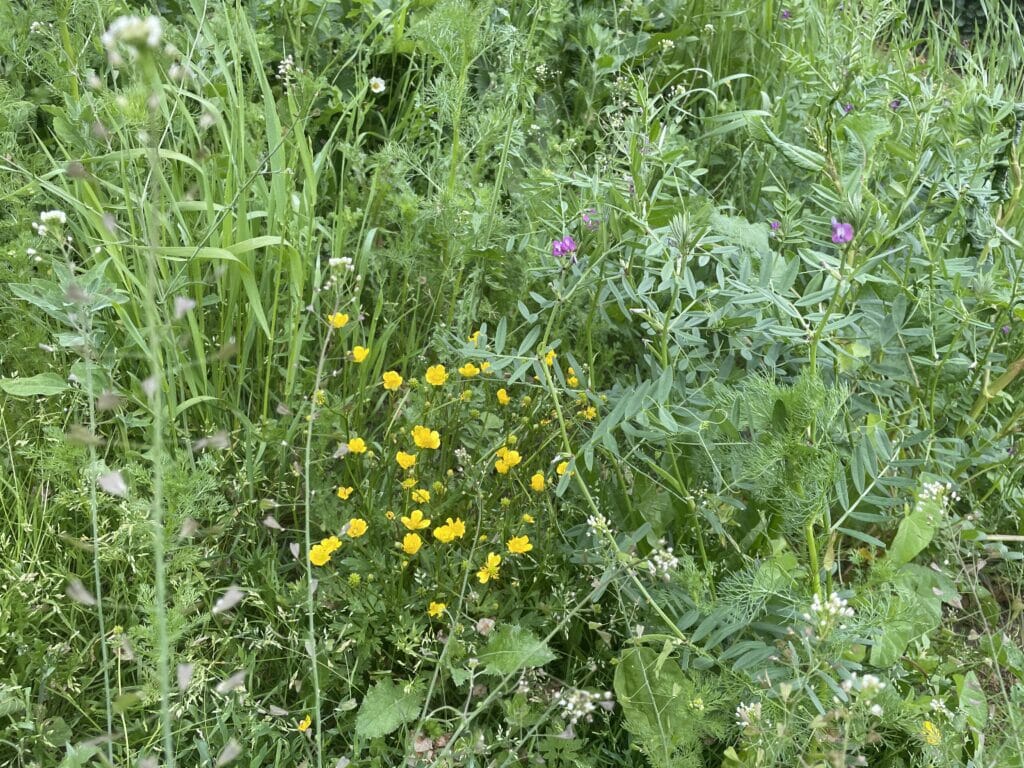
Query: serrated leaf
x,y
387,706
512,648
40,385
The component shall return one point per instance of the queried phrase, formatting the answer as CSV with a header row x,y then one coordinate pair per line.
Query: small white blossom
x,y
377,85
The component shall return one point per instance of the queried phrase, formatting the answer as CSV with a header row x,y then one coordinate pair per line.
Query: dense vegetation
x,y
454,382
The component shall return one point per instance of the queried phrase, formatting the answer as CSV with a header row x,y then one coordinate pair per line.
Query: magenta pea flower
x,y
775,224
588,220
786,14
842,232
564,247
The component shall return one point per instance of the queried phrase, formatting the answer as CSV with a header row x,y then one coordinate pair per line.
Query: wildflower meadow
x,y
564,383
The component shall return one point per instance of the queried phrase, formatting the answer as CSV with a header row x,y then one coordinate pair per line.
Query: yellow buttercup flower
x,y
435,609
503,398
560,469
305,723
389,515
932,735
409,482
589,413
421,496
360,353
501,466
491,569
474,337
344,491
537,482
319,555
357,527
392,380
507,459
338,320
357,445
572,381
469,370
485,367
436,375
444,534
405,460
458,527
549,358
527,517
411,543
519,545
415,521
330,544
425,437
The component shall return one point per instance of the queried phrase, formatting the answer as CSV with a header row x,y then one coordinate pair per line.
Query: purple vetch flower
x,y
564,247
895,104
1006,330
786,14
848,109
842,232
775,224
588,220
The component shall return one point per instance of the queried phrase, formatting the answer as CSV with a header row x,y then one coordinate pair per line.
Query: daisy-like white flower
x,y
377,85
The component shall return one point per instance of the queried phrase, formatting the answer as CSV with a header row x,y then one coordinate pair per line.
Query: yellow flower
x,y
305,723
411,543
330,545
356,527
405,460
466,395
425,438
549,358
320,397
469,370
572,381
344,491
436,375
392,380
319,555
435,609
503,398
560,469
458,527
519,545
421,496
490,569
359,354
338,320
357,445
485,366
932,735
444,534
589,413
501,466
527,517
409,482
389,515
507,459
537,482
415,521
505,502
474,337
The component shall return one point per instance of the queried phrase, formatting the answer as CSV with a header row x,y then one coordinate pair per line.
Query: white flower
x,y
377,85
134,33
59,216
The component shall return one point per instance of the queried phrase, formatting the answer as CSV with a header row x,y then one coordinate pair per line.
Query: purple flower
x,y
590,223
775,224
564,247
1006,330
842,232
848,109
785,14
895,104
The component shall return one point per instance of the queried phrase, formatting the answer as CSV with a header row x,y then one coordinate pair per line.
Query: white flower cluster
x,y
662,562
578,704
828,614
941,494
867,687
46,218
748,714
343,262
597,524
134,34
285,68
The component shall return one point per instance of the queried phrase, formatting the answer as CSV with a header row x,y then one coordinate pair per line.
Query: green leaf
x,y
972,700
387,706
42,384
651,691
512,648
915,533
